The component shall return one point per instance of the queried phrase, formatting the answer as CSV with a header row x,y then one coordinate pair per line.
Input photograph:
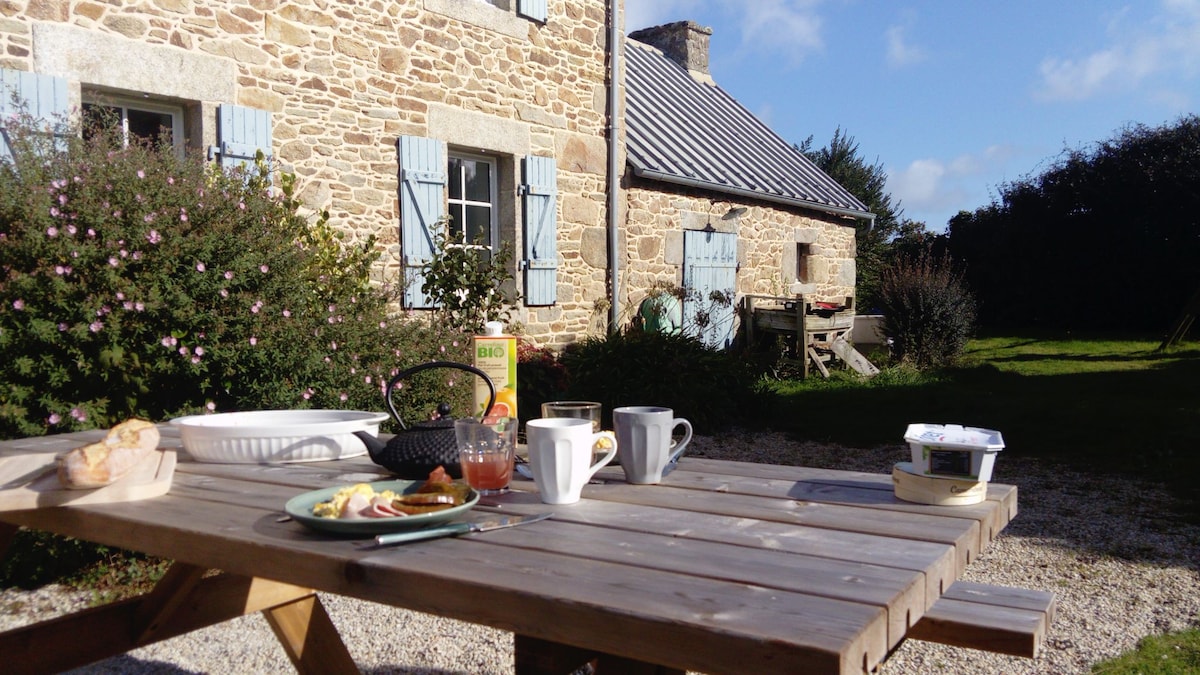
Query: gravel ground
x,y
1121,564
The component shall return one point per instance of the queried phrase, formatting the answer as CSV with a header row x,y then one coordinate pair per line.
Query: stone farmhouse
x,y
609,164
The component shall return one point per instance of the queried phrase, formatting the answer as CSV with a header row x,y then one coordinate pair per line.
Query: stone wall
x,y
344,79
769,239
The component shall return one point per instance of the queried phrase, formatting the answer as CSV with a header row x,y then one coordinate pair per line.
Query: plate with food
x,y
383,506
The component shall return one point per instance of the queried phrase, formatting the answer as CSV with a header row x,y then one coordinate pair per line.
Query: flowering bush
x,y
134,281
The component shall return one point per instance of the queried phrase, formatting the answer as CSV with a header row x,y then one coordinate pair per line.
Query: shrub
x,y
470,285
714,389
928,312
541,377
135,282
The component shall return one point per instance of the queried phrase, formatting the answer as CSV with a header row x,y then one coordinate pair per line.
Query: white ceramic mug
x,y
644,441
560,456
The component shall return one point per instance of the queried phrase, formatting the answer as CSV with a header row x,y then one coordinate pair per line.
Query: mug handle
x,y
612,451
680,445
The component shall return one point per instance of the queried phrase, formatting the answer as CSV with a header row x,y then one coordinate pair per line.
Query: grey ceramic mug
x,y
644,441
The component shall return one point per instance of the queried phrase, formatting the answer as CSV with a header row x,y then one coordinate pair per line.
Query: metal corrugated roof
x,y
681,130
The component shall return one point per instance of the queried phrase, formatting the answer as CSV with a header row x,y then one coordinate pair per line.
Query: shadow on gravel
x,y
127,665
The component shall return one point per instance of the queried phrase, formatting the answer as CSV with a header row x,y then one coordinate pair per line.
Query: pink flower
x,y
120,295
228,274
195,359
62,327
287,313
112,261
71,229
60,270
54,418
183,351
264,269
128,305
62,200
148,218
141,173
96,326
198,351
307,393
138,306
153,237
210,406
51,231
78,414
343,397
183,215
224,293
200,267
92,233
253,340
54,213
18,304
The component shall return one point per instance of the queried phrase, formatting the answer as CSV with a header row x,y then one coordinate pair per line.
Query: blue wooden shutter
x,y
538,10
422,204
43,97
710,264
541,230
241,133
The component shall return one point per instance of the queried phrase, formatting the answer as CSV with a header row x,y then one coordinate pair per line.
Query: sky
x,y
953,98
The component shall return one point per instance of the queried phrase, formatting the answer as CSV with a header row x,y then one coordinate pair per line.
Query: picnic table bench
x,y
724,567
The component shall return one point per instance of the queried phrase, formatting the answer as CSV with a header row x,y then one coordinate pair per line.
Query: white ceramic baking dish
x,y
270,436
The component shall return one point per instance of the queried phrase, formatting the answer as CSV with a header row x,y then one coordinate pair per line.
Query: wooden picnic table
x,y
724,567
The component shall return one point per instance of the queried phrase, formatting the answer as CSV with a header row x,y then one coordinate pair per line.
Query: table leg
x,y
8,534
309,637
185,603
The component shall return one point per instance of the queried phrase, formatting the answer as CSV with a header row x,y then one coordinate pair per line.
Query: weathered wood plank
x,y
992,618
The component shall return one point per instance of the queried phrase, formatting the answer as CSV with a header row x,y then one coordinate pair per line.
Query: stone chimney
x,y
684,42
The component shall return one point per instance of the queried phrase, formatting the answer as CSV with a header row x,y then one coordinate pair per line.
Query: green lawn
x,y
1110,405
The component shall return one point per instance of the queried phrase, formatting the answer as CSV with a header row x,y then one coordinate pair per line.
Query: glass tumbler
x,y
487,449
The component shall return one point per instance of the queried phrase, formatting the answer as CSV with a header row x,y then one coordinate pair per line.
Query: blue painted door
x,y
709,264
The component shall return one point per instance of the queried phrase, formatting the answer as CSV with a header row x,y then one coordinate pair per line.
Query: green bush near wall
x,y
136,282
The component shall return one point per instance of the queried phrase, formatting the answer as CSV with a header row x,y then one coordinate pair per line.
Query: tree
x,y
873,239
1107,238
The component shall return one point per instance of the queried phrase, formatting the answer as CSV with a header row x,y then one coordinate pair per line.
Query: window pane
x,y
149,125
454,174
479,225
455,227
479,182
95,115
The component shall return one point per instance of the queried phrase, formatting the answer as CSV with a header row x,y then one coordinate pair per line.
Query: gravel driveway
x,y
1122,565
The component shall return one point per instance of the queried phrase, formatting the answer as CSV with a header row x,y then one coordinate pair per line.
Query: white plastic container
x,y
953,451
914,487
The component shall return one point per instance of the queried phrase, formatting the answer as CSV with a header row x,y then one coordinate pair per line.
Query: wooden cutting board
x,y
30,481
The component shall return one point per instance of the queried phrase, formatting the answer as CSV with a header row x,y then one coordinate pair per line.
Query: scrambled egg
x,y
334,506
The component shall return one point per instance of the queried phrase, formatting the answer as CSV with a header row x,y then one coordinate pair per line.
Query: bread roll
x,y
106,462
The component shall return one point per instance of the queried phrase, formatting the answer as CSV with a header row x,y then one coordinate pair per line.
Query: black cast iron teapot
x,y
421,448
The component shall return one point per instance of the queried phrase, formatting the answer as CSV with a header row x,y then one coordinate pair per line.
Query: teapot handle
x,y
387,397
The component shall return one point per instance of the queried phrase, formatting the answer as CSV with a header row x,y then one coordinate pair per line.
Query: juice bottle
x,y
496,355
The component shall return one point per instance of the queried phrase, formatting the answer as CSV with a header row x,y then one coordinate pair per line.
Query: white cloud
x,y
900,52
932,190
790,28
1166,42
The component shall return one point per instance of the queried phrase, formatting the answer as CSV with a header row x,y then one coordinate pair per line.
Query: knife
x,y
454,529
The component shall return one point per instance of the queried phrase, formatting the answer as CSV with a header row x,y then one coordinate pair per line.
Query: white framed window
x,y
471,200
138,118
